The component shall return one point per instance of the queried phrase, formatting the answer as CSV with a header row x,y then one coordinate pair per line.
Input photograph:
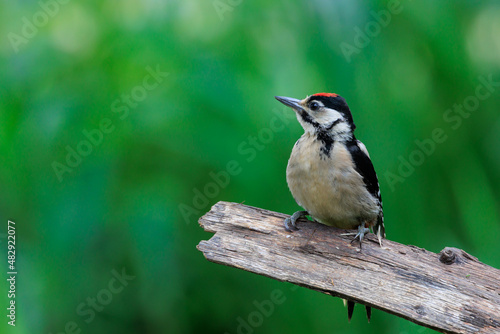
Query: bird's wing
x,y
365,168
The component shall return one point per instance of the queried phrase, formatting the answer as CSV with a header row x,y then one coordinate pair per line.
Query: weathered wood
x,y
451,292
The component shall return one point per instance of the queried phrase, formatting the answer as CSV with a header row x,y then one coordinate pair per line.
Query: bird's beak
x,y
291,102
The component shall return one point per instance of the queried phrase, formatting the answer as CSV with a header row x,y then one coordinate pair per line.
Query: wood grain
x,y
451,292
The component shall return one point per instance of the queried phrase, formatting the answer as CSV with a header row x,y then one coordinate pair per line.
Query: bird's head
x,y
323,112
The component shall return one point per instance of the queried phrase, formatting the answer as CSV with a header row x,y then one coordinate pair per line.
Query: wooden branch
x,y
451,292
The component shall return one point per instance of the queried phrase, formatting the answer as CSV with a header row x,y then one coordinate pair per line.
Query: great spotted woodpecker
x,y
330,173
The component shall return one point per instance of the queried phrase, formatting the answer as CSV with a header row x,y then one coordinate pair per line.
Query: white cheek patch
x,y
342,127
329,116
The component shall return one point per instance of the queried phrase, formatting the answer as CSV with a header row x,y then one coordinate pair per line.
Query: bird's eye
x,y
314,106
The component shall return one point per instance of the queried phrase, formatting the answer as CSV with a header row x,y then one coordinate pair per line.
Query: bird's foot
x,y
290,222
362,230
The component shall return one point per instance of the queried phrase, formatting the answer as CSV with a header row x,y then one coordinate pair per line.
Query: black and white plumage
x,y
330,173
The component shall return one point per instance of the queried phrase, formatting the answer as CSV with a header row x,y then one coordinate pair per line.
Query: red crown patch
x,y
326,94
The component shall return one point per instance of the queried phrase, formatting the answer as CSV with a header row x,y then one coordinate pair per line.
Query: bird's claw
x,y
291,222
289,226
362,230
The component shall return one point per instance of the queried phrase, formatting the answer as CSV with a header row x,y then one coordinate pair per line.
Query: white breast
x,y
329,187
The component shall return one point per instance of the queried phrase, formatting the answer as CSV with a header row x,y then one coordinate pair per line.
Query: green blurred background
x,y
74,70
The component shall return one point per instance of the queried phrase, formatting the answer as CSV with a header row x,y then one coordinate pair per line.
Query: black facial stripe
x,y
308,119
335,122
324,136
327,141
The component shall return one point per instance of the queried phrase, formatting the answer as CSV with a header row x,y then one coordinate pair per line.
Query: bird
x,y
330,173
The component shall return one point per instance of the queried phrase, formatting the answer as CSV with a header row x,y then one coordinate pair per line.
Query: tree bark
x,y
451,292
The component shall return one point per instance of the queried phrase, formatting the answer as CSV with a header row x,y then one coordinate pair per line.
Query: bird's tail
x,y
379,228
350,309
